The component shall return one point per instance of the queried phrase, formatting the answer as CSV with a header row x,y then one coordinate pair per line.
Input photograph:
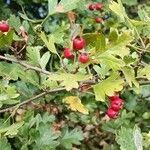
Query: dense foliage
x,y
74,75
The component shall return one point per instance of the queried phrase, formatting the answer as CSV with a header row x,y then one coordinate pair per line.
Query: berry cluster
x,y
116,104
97,6
78,44
4,26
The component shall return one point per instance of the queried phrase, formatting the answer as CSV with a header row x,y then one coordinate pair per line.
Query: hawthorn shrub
x,y
74,75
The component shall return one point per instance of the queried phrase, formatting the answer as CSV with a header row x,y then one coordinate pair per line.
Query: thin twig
x,y
25,65
31,99
144,82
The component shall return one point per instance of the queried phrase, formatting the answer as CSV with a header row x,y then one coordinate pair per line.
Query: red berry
x,y
99,20
98,6
112,98
4,26
117,104
68,53
91,7
84,58
79,43
112,113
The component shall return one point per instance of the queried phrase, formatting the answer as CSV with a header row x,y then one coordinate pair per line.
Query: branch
x,y
25,65
144,82
31,99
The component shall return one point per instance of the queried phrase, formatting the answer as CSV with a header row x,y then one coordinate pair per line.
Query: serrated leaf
x,y
113,36
70,138
9,71
4,144
29,76
33,54
138,139
49,42
130,76
75,104
44,60
125,139
47,137
110,61
108,87
117,9
119,46
96,40
69,80
11,130
6,39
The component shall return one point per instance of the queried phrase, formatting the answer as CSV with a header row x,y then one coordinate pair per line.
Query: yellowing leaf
x,y
108,87
130,76
75,104
69,80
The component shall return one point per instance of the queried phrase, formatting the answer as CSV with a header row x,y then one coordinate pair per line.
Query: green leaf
x,y
44,60
29,76
69,80
9,71
96,40
110,61
130,76
118,47
144,72
108,87
52,6
146,137
125,139
70,138
15,22
67,5
130,2
11,130
102,71
47,137
46,118
6,39
113,36
33,54
49,43
4,144
138,139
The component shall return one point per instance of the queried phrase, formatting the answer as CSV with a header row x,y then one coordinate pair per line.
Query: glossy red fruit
x,y
112,113
112,98
117,104
79,43
4,26
91,7
68,53
98,6
99,20
84,58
